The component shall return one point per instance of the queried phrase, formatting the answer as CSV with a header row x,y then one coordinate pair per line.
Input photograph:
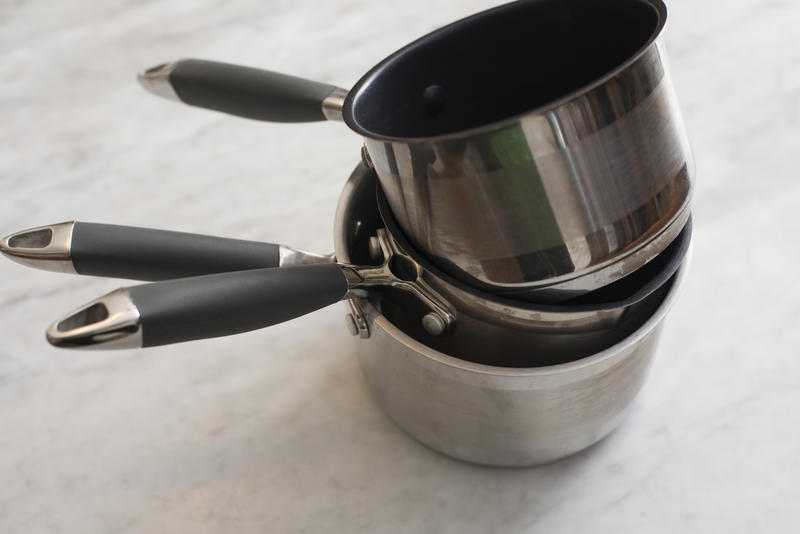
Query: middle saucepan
x,y
439,310
492,329
535,149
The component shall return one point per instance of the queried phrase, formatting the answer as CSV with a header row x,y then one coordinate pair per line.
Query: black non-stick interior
x,y
498,64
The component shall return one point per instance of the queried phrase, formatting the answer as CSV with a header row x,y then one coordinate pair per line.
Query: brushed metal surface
x,y
500,416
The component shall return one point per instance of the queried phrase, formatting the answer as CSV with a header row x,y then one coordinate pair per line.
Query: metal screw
x,y
433,324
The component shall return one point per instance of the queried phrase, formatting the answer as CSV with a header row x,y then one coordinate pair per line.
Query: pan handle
x,y
203,307
244,91
143,253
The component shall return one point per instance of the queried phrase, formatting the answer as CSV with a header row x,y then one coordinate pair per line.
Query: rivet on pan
x,y
433,324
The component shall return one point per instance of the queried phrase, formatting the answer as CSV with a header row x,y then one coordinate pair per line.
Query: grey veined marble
x,y
274,431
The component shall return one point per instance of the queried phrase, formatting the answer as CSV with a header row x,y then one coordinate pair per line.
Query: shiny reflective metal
x,y
399,271
109,322
554,202
433,324
488,327
333,103
45,247
289,256
156,80
489,414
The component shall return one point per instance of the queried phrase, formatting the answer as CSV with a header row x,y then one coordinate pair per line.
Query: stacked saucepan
x,y
508,244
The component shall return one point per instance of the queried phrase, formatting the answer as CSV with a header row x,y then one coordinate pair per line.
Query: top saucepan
x,y
535,149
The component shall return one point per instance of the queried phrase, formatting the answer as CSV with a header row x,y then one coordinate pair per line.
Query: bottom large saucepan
x,y
490,414
500,415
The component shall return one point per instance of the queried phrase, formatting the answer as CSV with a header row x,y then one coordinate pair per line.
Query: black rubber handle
x,y
232,303
145,254
247,92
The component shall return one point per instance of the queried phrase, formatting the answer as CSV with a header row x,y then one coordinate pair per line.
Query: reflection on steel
x,y
110,322
157,81
46,247
542,200
333,103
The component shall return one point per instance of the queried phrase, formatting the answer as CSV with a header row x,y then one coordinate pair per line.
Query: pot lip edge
x,y
616,350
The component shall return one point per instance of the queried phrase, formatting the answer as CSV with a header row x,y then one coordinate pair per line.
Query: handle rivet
x,y
433,324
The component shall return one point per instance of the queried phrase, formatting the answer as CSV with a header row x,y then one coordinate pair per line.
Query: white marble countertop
x,y
275,431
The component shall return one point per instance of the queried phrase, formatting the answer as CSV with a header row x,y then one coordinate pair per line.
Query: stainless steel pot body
x,y
490,414
553,201
504,416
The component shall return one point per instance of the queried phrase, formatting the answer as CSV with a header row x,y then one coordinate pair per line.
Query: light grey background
x,y
274,431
